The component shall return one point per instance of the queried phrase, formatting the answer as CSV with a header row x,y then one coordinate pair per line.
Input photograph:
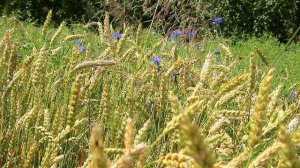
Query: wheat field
x,y
126,102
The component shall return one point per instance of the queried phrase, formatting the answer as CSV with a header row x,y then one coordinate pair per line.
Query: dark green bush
x,y
161,15
36,10
241,17
164,14
278,17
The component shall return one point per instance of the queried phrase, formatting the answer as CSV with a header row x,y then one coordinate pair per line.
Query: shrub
x,y
257,16
36,10
279,17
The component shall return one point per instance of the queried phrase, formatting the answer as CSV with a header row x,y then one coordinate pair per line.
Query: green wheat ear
x,y
47,22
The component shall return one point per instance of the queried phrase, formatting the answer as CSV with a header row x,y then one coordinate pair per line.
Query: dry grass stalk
x,y
129,134
262,56
90,64
288,149
74,100
196,147
97,149
260,109
47,22
261,160
73,37
126,160
57,33
177,160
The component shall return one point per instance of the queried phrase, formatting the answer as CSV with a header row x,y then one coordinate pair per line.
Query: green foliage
x,y
241,18
34,130
257,16
36,10
164,15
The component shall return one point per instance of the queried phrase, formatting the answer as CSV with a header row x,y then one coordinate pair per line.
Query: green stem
x,y
290,40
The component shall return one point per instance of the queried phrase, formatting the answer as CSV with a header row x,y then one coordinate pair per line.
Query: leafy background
x,y
241,18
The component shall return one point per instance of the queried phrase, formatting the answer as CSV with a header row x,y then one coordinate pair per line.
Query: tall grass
x,y
105,102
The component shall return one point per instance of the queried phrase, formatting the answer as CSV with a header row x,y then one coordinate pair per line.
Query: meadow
x,y
91,96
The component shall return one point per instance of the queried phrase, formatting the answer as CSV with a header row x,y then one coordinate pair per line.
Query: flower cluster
x,y
117,35
217,21
80,48
179,34
217,52
78,41
176,33
191,33
157,61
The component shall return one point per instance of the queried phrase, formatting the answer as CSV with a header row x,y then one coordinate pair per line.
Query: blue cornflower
x,y
156,60
174,76
191,33
177,33
170,39
217,52
117,35
78,41
294,95
175,73
201,66
82,48
217,21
